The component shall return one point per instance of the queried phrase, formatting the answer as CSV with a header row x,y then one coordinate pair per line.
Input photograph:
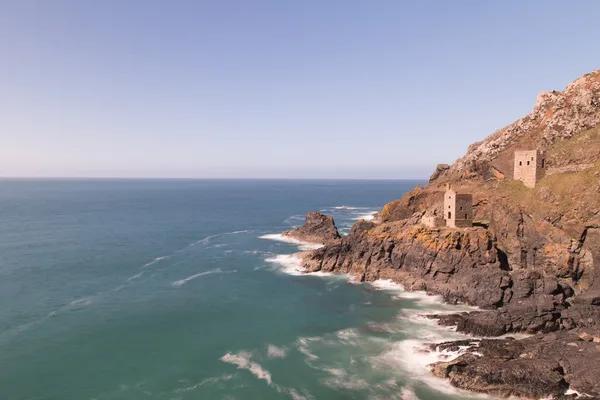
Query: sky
x,y
274,88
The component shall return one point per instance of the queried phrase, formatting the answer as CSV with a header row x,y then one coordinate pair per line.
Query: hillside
x,y
531,259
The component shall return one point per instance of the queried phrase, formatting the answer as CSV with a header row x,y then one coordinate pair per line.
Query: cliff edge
x,y
530,260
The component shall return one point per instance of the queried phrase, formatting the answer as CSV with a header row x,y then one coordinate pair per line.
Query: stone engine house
x,y
529,166
458,208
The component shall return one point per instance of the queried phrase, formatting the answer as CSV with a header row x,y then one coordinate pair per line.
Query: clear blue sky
x,y
280,88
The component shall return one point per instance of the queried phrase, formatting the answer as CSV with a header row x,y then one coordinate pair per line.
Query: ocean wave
x,y
85,301
215,379
292,265
303,343
134,277
367,217
414,358
301,245
347,208
192,277
407,393
347,335
276,352
243,360
157,259
210,237
339,378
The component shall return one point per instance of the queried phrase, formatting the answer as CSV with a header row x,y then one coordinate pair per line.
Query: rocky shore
x,y
529,262
318,229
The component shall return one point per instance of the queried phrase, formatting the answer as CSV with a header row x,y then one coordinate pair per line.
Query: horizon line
x,y
202,178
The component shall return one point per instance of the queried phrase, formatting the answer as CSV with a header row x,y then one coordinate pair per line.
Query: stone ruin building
x,y
458,208
457,211
433,220
529,166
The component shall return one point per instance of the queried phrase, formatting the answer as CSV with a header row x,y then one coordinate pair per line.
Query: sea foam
x,y
243,360
276,352
286,239
213,271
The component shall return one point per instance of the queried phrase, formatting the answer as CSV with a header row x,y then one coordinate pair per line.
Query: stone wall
x,y
529,166
432,221
458,209
449,207
464,210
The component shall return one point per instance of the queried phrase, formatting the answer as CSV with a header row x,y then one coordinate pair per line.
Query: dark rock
x,y
439,170
318,228
536,367
530,264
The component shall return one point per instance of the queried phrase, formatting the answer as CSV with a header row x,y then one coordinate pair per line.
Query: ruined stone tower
x,y
529,166
458,208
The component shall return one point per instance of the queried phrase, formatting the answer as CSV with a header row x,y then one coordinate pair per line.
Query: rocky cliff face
x,y
318,228
531,262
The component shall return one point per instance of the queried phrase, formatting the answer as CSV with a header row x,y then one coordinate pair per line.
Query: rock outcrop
x,y
531,262
535,367
318,228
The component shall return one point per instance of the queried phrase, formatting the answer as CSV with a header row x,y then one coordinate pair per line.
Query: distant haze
x,y
274,89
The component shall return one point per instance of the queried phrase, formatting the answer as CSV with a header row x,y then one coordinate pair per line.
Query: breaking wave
x,y
243,360
157,259
192,277
276,352
301,245
210,237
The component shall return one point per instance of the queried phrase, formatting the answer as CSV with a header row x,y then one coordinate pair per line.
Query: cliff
x,y
530,261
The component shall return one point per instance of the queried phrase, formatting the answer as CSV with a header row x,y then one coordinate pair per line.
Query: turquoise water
x,y
164,289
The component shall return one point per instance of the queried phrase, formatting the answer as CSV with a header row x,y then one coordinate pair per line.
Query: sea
x,y
184,289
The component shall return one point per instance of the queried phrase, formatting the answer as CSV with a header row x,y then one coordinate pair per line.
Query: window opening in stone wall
x,y
527,162
520,162
543,162
465,216
531,158
449,215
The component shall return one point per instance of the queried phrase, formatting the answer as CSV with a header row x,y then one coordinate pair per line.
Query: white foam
x,y
347,334
213,271
407,393
276,352
85,301
345,382
243,360
347,208
290,263
302,345
577,394
134,277
209,238
367,217
286,239
387,284
215,379
414,358
157,259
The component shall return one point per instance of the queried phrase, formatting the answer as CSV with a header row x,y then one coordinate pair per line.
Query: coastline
x,y
415,357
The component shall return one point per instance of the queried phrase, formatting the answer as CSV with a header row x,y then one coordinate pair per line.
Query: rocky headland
x,y
530,262
318,229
